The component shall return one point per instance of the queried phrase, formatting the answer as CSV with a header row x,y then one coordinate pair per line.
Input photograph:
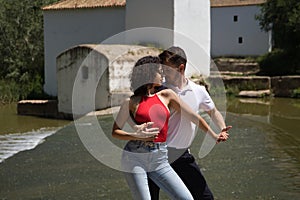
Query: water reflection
x,y
282,135
280,112
11,122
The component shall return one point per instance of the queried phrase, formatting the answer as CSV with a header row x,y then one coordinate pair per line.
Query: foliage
x,y
278,63
9,91
12,91
296,93
21,43
283,18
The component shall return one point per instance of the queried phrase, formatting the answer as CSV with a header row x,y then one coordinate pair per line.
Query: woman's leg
x,y
167,179
138,183
133,161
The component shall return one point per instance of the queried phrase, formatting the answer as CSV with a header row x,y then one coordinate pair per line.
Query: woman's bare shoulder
x,y
166,93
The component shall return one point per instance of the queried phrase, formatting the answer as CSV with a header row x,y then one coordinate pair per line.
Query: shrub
x,y
296,93
25,88
279,63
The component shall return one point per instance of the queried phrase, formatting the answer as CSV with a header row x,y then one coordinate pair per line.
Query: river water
x,y
260,161
20,133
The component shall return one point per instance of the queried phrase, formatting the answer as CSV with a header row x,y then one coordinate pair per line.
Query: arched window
x,y
85,72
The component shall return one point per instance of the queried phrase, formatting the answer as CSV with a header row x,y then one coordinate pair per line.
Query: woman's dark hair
x,y
143,74
173,55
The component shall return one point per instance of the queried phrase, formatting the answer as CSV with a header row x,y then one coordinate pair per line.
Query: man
x,y
181,131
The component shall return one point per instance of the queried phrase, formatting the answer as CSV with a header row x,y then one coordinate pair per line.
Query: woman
x,y
146,151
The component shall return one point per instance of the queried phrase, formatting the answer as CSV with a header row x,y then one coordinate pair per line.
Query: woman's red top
x,y
152,109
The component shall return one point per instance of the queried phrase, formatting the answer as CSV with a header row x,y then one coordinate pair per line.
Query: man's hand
x,y
226,129
223,136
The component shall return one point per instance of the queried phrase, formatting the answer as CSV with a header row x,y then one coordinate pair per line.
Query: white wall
x,y
186,24
92,77
192,22
225,32
64,29
87,89
144,13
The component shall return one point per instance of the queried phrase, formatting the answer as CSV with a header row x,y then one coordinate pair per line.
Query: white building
x,y
185,23
93,77
73,22
67,24
235,31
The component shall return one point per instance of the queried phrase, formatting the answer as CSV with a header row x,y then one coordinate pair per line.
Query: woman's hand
x,y
146,131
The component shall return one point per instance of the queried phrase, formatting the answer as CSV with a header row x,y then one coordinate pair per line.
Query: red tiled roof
x,y
73,4
227,3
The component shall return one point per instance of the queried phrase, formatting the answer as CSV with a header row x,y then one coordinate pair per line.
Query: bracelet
x,y
224,129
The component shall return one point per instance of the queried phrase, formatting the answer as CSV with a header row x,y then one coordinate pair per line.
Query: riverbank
x,y
235,76
241,86
240,78
261,86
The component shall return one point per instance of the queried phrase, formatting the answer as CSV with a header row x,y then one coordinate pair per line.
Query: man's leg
x,y
167,179
154,189
188,170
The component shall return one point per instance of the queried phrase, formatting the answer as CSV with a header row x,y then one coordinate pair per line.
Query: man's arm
x,y
218,119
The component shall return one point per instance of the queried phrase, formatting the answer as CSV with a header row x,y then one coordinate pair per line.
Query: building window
x,y
240,40
85,72
235,18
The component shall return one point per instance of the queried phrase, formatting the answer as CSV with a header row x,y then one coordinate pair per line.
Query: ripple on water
x,y
13,143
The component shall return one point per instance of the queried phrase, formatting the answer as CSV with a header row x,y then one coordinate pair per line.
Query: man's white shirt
x,y
181,131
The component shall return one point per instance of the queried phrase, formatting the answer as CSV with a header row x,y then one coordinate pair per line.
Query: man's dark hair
x,y
174,55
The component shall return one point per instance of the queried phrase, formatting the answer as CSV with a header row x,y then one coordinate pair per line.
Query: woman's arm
x,y
142,133
180,106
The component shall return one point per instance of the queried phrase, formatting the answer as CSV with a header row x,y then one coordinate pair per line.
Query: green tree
x,y
21,41
282,17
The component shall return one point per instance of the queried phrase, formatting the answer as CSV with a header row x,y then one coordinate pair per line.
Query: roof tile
x,y
74,4
227,3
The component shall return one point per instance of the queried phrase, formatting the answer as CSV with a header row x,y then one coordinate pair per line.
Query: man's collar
x,y
177,89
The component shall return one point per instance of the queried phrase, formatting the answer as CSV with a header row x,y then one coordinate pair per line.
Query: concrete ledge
x,y
243,66
49,109
41,108
281,86
106,111
254,94
242,82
